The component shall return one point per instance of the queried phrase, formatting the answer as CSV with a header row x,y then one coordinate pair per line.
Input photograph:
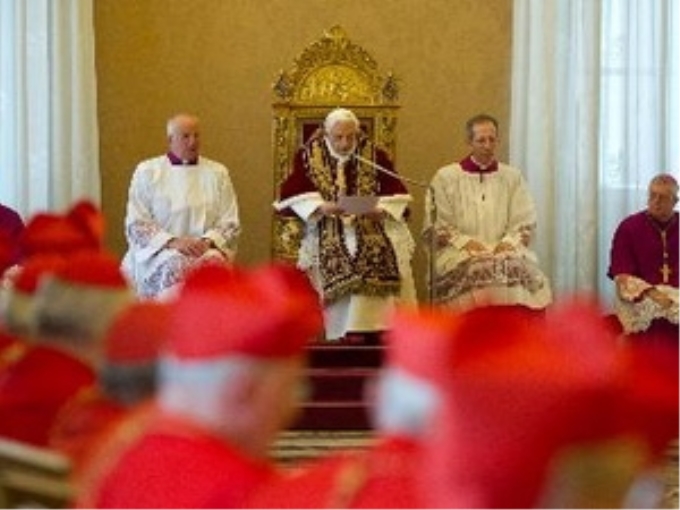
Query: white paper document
x,y
354,204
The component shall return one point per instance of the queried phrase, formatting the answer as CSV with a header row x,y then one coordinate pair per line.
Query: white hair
x,y
201,388
171,126
176,120
76,312
404,403
340,115
16,311
666,180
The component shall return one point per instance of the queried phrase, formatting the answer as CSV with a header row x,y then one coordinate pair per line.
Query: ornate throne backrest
x,y
331,72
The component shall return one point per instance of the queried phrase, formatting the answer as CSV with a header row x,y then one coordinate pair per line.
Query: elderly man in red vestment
x,y
72,309
407,394
47,237
59,303
125,378
16,312
554,414
357,258
228,385
644,264
40,247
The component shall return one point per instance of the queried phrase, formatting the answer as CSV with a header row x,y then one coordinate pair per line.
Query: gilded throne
x,y
331,72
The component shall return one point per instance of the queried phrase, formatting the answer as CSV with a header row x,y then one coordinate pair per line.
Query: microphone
x,y
391,173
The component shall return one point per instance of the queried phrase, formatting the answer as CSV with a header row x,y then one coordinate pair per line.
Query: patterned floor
x,y
295,447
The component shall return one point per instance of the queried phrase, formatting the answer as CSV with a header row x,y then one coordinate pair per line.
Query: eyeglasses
x,y
485,140
660,197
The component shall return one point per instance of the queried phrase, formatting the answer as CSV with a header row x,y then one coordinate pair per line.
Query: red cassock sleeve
x,y
34,389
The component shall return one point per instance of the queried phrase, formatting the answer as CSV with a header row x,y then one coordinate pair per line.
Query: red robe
x,y
33,389
11,350
358,263
174,464
81,422
300,181
383,476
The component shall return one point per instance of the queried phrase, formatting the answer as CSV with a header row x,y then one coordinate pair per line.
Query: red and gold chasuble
x,y
373,269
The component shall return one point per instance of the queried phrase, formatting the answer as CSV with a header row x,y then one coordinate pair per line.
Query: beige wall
x,y
218,59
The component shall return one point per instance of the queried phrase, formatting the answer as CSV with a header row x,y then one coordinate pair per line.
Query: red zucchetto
x,y
80,228
267,312
137,334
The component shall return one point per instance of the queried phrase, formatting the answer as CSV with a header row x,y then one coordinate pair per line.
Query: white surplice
x,y
167,201
491,208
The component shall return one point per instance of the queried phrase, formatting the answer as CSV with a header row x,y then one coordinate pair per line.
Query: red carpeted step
x,y
338,384
329,354
337,374
328,415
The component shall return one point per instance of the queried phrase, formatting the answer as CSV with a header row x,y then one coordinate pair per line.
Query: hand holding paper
x,y
354,204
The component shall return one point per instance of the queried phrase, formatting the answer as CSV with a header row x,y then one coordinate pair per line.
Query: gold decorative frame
x,y
331,72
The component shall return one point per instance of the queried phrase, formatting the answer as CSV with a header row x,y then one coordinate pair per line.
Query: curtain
x,y
595,106
49,153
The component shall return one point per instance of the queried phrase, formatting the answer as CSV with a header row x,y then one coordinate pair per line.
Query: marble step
x,y
294,447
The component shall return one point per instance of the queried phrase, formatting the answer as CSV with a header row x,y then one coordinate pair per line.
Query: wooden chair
x,y
33,477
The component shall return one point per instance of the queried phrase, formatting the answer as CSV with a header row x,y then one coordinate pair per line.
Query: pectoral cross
x,y
665,272
665,268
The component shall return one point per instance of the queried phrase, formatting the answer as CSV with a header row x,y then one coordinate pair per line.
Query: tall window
x,y
595,114
49,154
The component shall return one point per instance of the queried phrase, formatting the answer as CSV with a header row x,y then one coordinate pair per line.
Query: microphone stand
x,y
432,213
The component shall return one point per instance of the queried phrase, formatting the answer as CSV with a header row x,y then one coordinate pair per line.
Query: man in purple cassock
x,y
644,264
